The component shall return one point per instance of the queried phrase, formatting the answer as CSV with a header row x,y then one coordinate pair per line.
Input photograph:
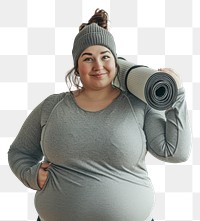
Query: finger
x,y
43,172
45,165
161,69
42,177
165,69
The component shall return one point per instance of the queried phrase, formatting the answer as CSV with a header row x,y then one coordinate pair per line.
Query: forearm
x,y
24,167
169,137
25,151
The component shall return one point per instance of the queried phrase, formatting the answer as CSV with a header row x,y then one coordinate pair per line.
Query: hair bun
x,y
100,17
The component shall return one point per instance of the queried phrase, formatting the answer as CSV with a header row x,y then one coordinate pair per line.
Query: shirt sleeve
x,y
168,133
25,152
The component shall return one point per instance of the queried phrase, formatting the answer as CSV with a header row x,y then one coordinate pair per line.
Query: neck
x,y
98,95
95,100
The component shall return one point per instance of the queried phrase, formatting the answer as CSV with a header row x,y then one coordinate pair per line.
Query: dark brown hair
x,y
100,17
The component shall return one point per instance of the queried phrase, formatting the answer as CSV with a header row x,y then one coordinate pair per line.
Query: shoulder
x,y
53,99
49,103
134,101
138,107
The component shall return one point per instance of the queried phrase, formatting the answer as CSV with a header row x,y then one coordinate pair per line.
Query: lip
x,y
98,75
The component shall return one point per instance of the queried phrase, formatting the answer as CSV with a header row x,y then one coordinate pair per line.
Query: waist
x,y
73,196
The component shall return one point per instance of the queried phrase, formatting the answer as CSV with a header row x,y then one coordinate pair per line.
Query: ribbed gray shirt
x,y
98,170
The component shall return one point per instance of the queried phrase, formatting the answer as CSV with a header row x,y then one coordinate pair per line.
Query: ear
x,y
77,71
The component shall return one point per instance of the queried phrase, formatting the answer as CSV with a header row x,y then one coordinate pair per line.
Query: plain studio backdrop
x,y
36,39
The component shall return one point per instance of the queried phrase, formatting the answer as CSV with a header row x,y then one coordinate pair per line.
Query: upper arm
x,y
27,141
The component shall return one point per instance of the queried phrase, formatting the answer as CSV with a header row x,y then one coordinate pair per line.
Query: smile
x,y
98,75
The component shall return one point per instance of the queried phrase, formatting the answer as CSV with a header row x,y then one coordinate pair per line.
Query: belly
x,y
72,196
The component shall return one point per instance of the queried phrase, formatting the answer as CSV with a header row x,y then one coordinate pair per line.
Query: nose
x,y
98,65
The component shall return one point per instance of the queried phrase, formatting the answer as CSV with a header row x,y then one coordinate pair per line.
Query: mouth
x,y
100,75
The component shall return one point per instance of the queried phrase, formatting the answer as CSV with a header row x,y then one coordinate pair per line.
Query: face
x,y
97,68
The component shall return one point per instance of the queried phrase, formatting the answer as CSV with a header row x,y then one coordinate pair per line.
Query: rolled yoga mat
x,y
156,88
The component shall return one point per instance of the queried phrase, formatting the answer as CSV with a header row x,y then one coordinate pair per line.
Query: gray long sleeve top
x,y
97,159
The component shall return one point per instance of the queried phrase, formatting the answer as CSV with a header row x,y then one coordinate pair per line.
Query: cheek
x,y
83,69
112,67
111,63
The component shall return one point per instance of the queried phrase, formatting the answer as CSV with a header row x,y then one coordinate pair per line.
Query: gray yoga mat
x,y
156,88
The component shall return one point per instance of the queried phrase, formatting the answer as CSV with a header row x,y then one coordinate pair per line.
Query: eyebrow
x,y
90,54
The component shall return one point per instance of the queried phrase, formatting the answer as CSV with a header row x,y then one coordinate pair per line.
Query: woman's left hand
x,y
175,76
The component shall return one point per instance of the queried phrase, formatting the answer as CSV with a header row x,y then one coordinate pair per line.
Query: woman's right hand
x,y
174,75
43,174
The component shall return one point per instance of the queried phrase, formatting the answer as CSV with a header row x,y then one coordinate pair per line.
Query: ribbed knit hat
x,y
91,35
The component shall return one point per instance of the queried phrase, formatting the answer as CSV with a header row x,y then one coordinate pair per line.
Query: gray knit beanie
x,y
91,35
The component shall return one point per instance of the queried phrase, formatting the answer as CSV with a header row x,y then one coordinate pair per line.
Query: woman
x,y
94,140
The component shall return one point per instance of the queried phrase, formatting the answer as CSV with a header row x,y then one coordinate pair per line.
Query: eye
x,y
88,59
106,57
